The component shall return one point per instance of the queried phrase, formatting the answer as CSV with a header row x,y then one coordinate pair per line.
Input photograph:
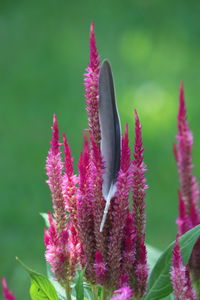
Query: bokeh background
x,y
151,44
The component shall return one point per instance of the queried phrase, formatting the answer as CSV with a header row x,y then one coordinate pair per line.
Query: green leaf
x,y
87,291
45,217
159,284
169,297
79,284
41,288
152,255
59,289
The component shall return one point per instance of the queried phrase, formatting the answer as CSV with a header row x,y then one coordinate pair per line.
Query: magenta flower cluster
x,y
189,191
115,257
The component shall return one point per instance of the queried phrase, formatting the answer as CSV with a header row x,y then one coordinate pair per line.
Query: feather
x,y
110,134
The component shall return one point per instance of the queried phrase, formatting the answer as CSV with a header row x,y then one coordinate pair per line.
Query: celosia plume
x,y
70,181
7,294
183,154
128,251
98,203
85,210
57,250
114,255
139,181
119,212
138,187
54,168
91,83
182,287
189,191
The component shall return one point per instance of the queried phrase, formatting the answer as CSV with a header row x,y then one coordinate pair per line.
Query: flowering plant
x,y
95,237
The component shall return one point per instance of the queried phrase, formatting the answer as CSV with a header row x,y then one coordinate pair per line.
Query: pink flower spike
x,y
124,293
94,56
119,212
57,250
188,184
7,294
125,155
54,168
85,211
68,158
138,187
55,136
98,203
182,287
84,164
128,250
141,270
139,182
91,83
69,188
183,222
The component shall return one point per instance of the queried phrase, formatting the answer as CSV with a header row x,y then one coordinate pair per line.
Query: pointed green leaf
x,y
41,287
87,292
79,285
59,289
159,284
45,217
152,256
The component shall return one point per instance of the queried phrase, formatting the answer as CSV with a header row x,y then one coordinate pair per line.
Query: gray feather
x,y
110,134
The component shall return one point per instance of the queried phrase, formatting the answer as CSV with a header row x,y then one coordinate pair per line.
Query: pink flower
x,y
139,182
189,191
183,154
124,293
128,251
119,212
57,250
69,183
85,216
117,253
7,294
139,186
182,287
92,87
54,168
56,236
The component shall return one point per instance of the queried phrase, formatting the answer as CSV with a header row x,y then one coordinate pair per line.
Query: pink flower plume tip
x,y
138,187
55,136
139,181
183,155
124,293
54,167
91,83
68,158
7,294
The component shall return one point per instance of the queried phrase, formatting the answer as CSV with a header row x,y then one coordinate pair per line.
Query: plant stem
x,y
68,290
95,291
197,288
106,294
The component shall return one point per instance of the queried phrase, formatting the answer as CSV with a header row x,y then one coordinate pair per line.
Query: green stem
x,y
68,290
95,292
197,288
106,294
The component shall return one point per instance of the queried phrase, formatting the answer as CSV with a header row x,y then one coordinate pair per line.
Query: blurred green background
x,y
151,44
